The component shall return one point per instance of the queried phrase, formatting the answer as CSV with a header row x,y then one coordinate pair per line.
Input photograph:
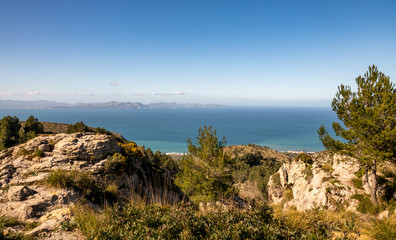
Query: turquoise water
x,y
167,130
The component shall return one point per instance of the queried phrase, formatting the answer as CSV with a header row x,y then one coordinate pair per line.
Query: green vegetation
x,y
164,222
368,123
365,205
357,183
205,172
12,132
31,129
78,127
82,182
327,168
12,222
308,172
9,132
162,160
253,167
305,158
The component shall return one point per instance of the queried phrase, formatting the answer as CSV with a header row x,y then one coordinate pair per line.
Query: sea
x,y
167,130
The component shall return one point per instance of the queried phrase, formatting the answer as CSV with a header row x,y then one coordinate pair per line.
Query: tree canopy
x,y
9,132
368,122
205,171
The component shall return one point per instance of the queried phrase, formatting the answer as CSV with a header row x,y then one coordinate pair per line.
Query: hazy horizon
x,y
251,53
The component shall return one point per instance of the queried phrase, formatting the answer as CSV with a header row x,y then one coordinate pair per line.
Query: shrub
x,y
357,183
365,205
384,229
276,179
327,167
182,222
39,153
308,173
305,158
288,193
78,127
82,182
100,130
111,193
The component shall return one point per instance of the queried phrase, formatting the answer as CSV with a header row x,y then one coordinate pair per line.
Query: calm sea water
x,y
167,130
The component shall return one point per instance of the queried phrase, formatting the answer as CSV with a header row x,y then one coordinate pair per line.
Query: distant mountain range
x,y
42,104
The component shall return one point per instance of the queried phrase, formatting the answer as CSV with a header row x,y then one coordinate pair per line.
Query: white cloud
x,y
114,83
175,93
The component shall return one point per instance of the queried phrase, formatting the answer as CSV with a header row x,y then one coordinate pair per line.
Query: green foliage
x,y
327,168
384,229
308,173
100,130
368,121
365,205
276,179
360,172
9,132
357,183
205,170
305,158
78,127
82,182
162,160
39,153
389,186
111,193
255,168
162,222
288,193
33,125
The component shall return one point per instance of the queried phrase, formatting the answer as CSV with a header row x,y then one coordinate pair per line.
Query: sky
x,y
239,53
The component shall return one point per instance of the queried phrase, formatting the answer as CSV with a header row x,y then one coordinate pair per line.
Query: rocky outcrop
x,y
96,159
327,182
24,197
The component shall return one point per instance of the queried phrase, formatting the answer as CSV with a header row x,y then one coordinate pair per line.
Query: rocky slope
x,y
329,181
24,169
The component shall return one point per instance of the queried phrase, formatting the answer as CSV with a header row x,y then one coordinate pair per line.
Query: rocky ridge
x,y
329,181
25,196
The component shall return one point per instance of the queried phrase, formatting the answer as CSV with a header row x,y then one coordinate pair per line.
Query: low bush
x,y
164,222
38,153
82,182
384,228
305,158
327,168
78,127
365,205
357,183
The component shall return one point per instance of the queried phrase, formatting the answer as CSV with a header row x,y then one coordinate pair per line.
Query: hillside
x,y
58,185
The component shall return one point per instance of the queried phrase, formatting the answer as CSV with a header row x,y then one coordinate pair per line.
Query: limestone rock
x,y
19,193
384,214
86,146
325,183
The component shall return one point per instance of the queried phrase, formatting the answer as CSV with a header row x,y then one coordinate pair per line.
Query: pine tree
x,y
9,132
205,170
368,123
32,128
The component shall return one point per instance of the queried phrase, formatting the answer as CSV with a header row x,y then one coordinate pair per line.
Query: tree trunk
x,y
374,186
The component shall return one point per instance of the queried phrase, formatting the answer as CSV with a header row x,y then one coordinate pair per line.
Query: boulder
x,y
19,193
86,146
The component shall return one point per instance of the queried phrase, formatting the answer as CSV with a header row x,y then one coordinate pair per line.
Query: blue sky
x,y
243,53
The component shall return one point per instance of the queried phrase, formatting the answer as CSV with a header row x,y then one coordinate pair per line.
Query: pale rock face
x,y
19,193
314,185
85,147
21,169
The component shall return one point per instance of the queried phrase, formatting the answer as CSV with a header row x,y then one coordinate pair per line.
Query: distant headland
x,y
43,104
